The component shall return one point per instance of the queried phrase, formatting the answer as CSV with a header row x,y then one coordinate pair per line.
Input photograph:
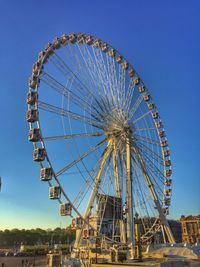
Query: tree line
x,y
16,237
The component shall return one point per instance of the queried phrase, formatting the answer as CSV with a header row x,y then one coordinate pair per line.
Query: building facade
x,y
190,228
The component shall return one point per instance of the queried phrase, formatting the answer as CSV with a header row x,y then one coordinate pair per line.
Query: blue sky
x,y
160,38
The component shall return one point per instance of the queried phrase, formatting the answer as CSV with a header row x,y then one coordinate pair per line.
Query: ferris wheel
x,y
99,140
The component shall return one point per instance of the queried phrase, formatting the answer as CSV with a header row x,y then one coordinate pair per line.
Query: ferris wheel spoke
x,y
140,138
70,165
140,190
151,165
135,106
121,82
67,113
144,129
69,74
150,152
154,168
102,70
68,136
89,69
94,69
129,95
65,91
141,117
113,86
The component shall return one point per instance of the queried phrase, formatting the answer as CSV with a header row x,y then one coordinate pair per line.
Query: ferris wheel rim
x,y
43,143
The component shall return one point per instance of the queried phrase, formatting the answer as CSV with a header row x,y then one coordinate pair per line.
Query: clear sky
x,y
160,38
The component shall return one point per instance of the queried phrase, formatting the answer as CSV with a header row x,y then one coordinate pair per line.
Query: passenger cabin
x,y
125,65
97,43
166,153
168,192
163,143
65,209
54,192
119,59
167,163
141,89
80,38
41,57
151,106
64,39
72,38
49,48
46,174
34,135
168,182
57,43
32,115
167,201
33,83
162,133
155,115
39,154
89,40
112,53
159,124
105,48
136,80
37,68
77,223
31,97
168,172
131,73
146,97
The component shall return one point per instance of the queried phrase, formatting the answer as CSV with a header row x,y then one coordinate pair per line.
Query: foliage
x,y
16,237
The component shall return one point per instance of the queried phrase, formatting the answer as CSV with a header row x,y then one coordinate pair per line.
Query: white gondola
x,y
37,68
167,163
31,97
64,39
168,182
168,172
78,223
166,153
119,59
112,53
131,73
168,192
167,201
66,209
146,97
125,65
159,124
89,40
39,154
162,133
136,80
141,89
163,143
34,135
105,48
54,192
151,106
57,43
46,174
97,43
72,38
32,115
155,115
41,57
